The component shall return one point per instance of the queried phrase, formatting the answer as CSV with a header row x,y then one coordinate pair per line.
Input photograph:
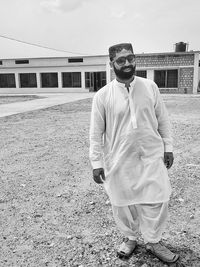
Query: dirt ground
x,y
53,214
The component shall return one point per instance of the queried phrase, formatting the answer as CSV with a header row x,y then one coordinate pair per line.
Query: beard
x,y
122,75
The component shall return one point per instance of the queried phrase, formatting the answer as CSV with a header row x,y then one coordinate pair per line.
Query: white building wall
x,y
60,65
55,62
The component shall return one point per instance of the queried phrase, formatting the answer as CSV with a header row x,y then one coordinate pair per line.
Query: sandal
x,y
126,249
162,252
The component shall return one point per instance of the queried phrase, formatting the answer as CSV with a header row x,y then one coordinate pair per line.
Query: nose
x,y
126,62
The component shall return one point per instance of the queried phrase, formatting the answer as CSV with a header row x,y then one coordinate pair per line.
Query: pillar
x,y
17,82
59,80
108,71
83,80
150,74
196,73
39,84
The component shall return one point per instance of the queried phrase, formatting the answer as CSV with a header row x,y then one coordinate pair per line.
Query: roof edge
x,y
106,55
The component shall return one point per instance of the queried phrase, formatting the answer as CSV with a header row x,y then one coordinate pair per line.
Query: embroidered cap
x,y
118,48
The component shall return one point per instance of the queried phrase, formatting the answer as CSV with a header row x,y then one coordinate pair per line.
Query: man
x,y
130,152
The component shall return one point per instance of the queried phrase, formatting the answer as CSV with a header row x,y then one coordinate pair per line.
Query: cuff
x,y
96,164
168,148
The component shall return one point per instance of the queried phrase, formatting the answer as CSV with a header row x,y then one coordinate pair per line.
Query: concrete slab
x,y
36,104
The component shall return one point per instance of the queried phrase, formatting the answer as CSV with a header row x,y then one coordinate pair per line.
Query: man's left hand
x,y
168,159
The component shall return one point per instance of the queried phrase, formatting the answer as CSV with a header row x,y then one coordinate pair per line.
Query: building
x,y
59,74
174,72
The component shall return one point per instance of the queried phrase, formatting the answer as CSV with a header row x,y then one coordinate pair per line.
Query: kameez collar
x,y
122,85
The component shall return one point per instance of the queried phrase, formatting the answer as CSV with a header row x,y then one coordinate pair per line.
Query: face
x,y
124,64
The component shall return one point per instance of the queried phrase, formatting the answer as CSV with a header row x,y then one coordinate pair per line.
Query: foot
x,y
162,252
126,248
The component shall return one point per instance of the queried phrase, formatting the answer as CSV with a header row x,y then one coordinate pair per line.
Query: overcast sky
x,y
91,26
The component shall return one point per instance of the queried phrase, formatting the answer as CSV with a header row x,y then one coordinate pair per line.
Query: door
x,y
95,80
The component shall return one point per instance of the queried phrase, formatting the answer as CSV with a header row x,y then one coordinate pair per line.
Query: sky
x,y
89,27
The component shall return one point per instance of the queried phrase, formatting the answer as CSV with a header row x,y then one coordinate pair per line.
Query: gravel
x,y
53,214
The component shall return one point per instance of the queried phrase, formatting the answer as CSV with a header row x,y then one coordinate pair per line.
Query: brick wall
x,y
186,80
185,76
169,91
164,60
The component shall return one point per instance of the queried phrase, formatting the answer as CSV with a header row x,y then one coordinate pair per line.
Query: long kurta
x,y
129,133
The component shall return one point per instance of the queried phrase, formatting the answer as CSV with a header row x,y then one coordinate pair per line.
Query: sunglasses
x,y
121,61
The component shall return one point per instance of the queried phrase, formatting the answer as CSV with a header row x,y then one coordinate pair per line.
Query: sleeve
x,y
97,129
164,126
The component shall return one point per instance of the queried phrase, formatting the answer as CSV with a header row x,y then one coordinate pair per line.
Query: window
x,y
172,78
7,80
49,79
72,60
95,80
103,78
71,79
160,78
166,78
141,73
22,61
28,80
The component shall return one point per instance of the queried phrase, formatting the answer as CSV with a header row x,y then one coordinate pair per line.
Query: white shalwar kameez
x,y
129,133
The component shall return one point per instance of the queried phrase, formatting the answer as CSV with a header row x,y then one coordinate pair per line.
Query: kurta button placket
x,y
133,116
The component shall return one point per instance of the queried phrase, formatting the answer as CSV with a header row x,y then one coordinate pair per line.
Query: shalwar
x,y
150,219
129,133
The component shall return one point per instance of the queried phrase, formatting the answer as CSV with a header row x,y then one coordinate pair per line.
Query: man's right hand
x,y
98,175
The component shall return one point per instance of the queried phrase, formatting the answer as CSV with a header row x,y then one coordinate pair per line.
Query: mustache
x,y
127,67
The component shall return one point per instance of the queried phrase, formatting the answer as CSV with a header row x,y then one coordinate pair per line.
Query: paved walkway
x,y
50,100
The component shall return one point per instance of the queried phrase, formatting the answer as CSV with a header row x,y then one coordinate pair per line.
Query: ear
x,y
111,64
